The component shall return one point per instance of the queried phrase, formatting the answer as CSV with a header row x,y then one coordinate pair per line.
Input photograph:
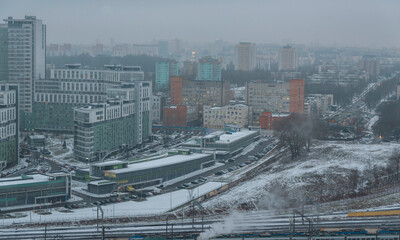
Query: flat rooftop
x,y
36,178
235,136
160,162
108,163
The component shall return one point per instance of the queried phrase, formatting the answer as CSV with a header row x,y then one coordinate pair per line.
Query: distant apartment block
x,y
164,70
3,53
209,69
218,117
287,59
371,65
245,56
317,104
199,93
145,49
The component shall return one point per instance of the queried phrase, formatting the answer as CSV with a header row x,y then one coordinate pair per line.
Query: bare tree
x,y
394,161
298,131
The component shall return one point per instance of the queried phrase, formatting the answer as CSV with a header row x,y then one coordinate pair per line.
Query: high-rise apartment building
x,y
26,56
8,125
287,59
164,70
3,53
209,69
297,96
245,56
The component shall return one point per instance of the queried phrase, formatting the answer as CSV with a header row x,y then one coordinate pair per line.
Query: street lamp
x,y
87,161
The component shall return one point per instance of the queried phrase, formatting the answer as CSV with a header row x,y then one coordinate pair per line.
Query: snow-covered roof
x,y
108,163
101,182
37,137
160,162
24,180
235,136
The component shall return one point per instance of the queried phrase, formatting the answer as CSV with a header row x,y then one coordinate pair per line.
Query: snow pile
x,y
327,168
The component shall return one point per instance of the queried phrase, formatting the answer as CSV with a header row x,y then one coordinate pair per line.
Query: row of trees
x,y
342,95
297,131
383,90
388,125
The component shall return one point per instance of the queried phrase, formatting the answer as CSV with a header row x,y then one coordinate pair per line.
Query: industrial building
x,y
35,189
150,173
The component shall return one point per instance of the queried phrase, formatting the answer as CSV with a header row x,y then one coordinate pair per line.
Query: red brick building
x,y
267,119
176,90
296,96
175,116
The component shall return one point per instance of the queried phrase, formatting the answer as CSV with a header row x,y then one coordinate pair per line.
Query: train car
x,y
374,213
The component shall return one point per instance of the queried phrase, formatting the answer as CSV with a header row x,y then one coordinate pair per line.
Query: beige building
x,y
267,97
287,59
318,104
245,56
218,117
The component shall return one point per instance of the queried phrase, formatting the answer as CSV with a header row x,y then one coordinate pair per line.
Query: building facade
x,y
268,119
103,128
26,56
73,86
287,59
209,69
3,53
35,189
245,56
125,120
164,70
274,97
9,131
218,117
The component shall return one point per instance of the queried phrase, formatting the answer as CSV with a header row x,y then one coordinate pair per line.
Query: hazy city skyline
x,y
342,23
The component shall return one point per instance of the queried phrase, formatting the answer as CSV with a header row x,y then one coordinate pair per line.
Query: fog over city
x,y
200,119
340,22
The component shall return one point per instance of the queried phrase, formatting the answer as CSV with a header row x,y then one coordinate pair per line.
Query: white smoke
x,y
227,226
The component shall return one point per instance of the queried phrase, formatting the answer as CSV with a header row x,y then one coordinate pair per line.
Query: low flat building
x,y
153,172
268,119
35,189
223,141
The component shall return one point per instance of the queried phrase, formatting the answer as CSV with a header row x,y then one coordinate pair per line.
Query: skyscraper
x,y
245,56
209,69
287,59
164,70
26,56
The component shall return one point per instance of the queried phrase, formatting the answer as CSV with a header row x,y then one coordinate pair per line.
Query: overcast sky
x,y
369,23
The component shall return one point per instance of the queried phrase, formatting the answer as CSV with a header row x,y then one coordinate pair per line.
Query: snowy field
x,y
153,205
328,165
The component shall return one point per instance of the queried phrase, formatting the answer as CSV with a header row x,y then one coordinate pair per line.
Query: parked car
x,y
231,160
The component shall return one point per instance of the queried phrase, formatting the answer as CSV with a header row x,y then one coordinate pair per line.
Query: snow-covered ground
x,y
328,165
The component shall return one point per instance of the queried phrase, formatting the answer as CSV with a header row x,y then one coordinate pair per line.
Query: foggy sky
x,y
364,23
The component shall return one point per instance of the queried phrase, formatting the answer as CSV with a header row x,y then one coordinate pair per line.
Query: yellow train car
x,y
374,213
